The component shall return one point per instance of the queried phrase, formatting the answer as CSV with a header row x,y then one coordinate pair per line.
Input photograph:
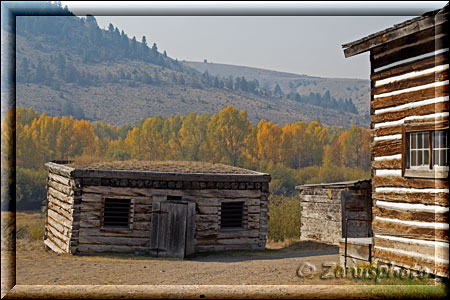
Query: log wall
x,y
410,85
323,212
75,209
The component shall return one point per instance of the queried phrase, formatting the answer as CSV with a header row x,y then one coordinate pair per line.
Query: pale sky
x,y
308,45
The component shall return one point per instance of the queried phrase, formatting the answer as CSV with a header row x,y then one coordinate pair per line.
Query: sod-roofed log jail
x,y
112,208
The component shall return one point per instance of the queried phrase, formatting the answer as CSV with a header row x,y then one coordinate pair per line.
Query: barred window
x,y
117,213
232,214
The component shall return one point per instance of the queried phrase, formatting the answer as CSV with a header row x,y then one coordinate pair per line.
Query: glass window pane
x,y
443,139
442,155
419,157
426,140
419,142
435,157
436,140
426,157
445,157
413,141
413,158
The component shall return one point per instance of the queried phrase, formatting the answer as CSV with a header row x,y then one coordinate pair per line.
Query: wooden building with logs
x,y
170,209
326,206
409,110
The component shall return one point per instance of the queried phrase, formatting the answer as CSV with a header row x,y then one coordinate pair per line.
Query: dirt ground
x,y
36,266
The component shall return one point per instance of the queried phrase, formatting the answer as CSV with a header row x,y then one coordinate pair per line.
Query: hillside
x,y
69,66
356,89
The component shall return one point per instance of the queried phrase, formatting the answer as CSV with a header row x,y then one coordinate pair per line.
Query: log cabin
x,y
409,73
169,209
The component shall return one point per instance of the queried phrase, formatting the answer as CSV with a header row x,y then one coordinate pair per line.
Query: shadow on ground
x,y
297,249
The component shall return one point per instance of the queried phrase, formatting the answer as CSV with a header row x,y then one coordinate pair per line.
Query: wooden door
x,y
172,229
356,204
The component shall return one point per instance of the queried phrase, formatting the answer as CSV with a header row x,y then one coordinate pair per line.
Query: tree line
x,y
294,154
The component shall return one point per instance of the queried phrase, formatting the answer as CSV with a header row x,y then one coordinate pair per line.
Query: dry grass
x,y
161,166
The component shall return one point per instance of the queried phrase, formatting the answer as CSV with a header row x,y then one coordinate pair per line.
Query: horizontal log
x,y
62,205
206,219
93,248
59,169
142,226
391,164
171,176
230,241
410,82
59,218
60,179
58,242
409,215
403,230
314,210
59,210
142,217
430,248
385,148
61,228
407,261
320,199
409,97
211,248
206,226
423,198
378,181
253,218
60,187
418,65
54,247
410,52
214,234
210,193
415,111
90,197
206,210
387,131
142,209
253,209
61,196
113,240
63,238
115,232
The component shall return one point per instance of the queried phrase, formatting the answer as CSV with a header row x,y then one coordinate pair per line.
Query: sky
x,y
308,45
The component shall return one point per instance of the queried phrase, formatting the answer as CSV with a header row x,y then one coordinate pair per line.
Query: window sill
x,y
435,174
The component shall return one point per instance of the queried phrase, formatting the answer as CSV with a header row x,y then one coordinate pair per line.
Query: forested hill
x,y
67,65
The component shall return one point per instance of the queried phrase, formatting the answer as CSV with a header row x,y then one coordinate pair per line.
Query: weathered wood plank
x,y
378,181
410,215
371,42
392,164
387,131
59,243
91,197
63,205
415,111
206,219
59,169
61,196
316,210
209,248
409,97
418,65
423,198
208,193
61,228
59,218
60,187
411,82
60,179
207,210
93,248
115,233
54,247
63,238
402,230
408,261
230,241
214,234
113,240
430,248
385,148
409,52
